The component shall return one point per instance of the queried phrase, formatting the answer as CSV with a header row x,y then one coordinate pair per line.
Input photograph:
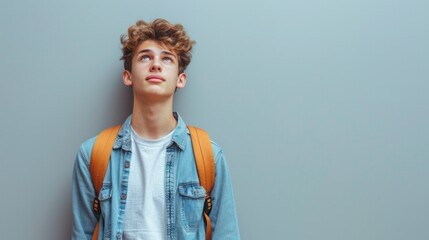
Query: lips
x,y
154,78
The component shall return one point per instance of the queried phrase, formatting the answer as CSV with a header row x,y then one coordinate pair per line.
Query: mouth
x,y
155,79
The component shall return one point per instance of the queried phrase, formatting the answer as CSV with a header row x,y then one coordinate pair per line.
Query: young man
x,y
151,188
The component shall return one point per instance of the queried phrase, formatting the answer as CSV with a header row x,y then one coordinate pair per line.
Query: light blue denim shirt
x,y
184,197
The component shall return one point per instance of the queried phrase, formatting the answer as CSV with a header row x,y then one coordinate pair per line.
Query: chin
x,y
154,94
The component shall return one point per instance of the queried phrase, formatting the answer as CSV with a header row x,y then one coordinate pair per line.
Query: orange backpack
x,y
204,161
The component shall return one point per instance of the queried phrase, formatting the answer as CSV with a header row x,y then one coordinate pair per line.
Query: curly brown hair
x,y
171,36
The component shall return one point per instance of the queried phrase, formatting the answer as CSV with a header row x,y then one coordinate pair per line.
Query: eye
x,y
167,59
145,58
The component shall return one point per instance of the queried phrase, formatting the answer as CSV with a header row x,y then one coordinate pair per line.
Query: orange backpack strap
x,y
98,165
204,159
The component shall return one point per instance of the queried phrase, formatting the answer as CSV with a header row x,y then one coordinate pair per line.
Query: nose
x,y
156,66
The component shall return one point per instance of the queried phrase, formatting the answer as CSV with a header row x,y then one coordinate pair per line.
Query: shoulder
x,y
217,150
85,150
88,144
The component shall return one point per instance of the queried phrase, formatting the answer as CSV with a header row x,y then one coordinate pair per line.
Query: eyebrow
x,y
163,52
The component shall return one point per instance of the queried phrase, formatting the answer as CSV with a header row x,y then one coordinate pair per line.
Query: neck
x,y
153,120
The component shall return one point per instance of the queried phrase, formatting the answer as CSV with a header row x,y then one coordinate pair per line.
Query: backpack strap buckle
x,y
96,206
208,204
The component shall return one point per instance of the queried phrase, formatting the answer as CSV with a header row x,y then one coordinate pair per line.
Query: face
x,y
155,71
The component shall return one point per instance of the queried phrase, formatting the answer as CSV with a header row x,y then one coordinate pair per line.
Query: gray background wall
x,y
321,107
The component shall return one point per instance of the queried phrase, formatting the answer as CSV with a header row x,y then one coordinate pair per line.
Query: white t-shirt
x,y
145,209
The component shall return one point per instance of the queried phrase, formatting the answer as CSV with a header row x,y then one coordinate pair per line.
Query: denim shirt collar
x,y
124,136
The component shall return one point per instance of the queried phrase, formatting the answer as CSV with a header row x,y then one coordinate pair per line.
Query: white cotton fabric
x,y
145,210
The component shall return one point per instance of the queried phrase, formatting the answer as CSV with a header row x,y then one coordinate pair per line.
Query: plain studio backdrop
x,y
321,108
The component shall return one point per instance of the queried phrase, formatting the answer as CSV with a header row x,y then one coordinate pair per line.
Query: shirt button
x,y
118,236
123,196
127,164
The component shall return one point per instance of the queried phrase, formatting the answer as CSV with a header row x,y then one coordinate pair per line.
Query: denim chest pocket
x,y
191,201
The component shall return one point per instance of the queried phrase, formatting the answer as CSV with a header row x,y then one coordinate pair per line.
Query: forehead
x,y
154,46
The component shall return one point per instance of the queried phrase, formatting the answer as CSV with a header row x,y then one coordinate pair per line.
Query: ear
x,y
181,80
126,77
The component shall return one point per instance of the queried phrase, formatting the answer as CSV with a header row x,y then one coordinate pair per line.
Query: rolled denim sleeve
x,y
84,220
223,215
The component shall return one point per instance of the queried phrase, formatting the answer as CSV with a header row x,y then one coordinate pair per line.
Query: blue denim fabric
x,y
183,193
